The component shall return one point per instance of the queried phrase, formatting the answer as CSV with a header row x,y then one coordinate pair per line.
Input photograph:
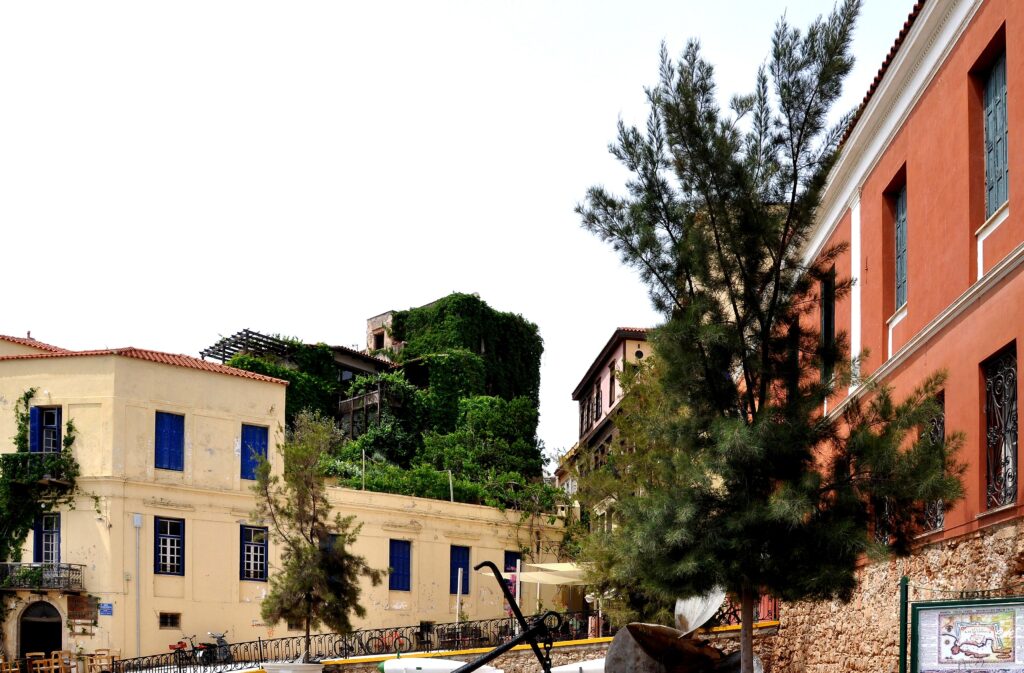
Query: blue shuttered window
x,y
44,429
170,441
46,539
169,546
901,247
460,559
400,561
253,554
511,558
254,447
997,167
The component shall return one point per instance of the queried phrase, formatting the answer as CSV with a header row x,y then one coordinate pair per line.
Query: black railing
x,y
58,576
427,637
766,609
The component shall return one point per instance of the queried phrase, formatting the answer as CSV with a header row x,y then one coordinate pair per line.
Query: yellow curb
x,y
455,653
736,627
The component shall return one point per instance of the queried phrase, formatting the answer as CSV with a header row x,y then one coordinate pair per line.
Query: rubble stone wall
x,y
863,635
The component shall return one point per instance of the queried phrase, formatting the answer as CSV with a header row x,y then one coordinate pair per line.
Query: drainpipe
x,y
137,522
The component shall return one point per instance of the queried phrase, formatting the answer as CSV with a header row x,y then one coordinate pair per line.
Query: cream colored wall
x,y
113,401
11,348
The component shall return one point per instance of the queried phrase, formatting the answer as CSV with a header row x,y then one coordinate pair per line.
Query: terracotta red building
x,y
928,198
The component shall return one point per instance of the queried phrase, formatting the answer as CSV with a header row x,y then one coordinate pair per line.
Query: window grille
x,y
935,511
1001,428
254,553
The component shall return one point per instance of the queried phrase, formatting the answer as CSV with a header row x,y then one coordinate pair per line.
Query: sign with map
x,y
969,637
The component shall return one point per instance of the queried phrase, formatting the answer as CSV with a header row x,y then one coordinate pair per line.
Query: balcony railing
x,y
766,609
51,469
42,576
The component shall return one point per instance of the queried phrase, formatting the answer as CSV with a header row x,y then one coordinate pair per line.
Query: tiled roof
x,y
154,356
907,25
32,343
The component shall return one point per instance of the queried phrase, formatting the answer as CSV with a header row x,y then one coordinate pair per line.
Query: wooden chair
x,y
68,662
9,666
30,660
101,662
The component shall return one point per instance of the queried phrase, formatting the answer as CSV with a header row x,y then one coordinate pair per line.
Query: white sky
x,y
172,172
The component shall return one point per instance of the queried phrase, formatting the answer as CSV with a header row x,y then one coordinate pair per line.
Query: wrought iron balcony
x,y
65,577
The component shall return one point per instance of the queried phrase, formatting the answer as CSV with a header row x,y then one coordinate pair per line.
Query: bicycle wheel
x,y
401,643
342,648
376,645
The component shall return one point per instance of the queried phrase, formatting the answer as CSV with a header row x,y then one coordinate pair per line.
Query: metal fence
x,y
426,637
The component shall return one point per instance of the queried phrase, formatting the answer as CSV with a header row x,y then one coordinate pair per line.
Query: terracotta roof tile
x,y
154,356
32,343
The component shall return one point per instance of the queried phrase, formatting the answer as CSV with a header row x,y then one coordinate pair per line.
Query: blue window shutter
x,y
996,158
170,441
37,540
459,559
60,428
241,551
254,446
400,560
35,430
901,248
57,518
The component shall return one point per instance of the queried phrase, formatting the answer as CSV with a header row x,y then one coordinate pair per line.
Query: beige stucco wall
x,y
113,401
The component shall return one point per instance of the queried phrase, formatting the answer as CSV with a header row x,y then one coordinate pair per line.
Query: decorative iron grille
x,y
934,516
1001,428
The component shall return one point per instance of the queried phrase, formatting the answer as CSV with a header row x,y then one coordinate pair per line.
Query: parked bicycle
x,y
183,655
389,641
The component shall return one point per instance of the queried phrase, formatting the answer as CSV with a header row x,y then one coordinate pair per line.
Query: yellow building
x,y
161,539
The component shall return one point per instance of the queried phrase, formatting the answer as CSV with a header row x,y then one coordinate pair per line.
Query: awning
x,y
555,574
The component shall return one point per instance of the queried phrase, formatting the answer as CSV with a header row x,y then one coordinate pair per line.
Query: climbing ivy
x,y
306,389
32,484
509,345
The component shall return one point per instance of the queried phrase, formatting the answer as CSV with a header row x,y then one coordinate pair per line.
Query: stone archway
x,y
40,629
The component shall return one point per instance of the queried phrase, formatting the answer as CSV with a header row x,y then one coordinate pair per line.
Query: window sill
x,y
899,315
996,510
994,220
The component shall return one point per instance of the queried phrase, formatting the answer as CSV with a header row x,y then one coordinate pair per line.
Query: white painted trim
x,y
896,319
855,268
936,30
970,296
983,232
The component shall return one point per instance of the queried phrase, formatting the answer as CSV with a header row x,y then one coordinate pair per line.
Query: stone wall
x,y
863,635
516,661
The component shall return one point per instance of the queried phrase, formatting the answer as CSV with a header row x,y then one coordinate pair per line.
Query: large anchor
x,y
539,631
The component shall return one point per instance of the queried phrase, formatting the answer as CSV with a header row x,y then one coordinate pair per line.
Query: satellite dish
x,y
693,613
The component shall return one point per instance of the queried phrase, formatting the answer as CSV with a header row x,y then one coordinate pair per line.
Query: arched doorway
x,y
41,629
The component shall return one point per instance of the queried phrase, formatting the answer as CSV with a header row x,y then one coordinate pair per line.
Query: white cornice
x,y
925,48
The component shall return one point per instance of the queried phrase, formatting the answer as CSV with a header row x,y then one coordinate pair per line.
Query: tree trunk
x,y
747,598
309,618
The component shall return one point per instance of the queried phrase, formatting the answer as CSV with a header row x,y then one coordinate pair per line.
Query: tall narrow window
x,y
400,560
997,166
169,552
46,539
253,561
254,448
934,516
459,561
900,203
611,384
44,430
828,323
1001,427
598,408
170,441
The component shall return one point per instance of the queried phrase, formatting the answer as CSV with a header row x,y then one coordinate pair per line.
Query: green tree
x,y
319,581
762,492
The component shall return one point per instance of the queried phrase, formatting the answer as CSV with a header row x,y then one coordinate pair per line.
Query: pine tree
x,y
319,581
761,492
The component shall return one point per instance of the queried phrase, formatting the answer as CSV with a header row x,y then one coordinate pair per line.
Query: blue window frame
x,y
46,539
252,562
400,560
460,559
169,546
901,246
170,441
511,558
254,447
997,167
44,430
